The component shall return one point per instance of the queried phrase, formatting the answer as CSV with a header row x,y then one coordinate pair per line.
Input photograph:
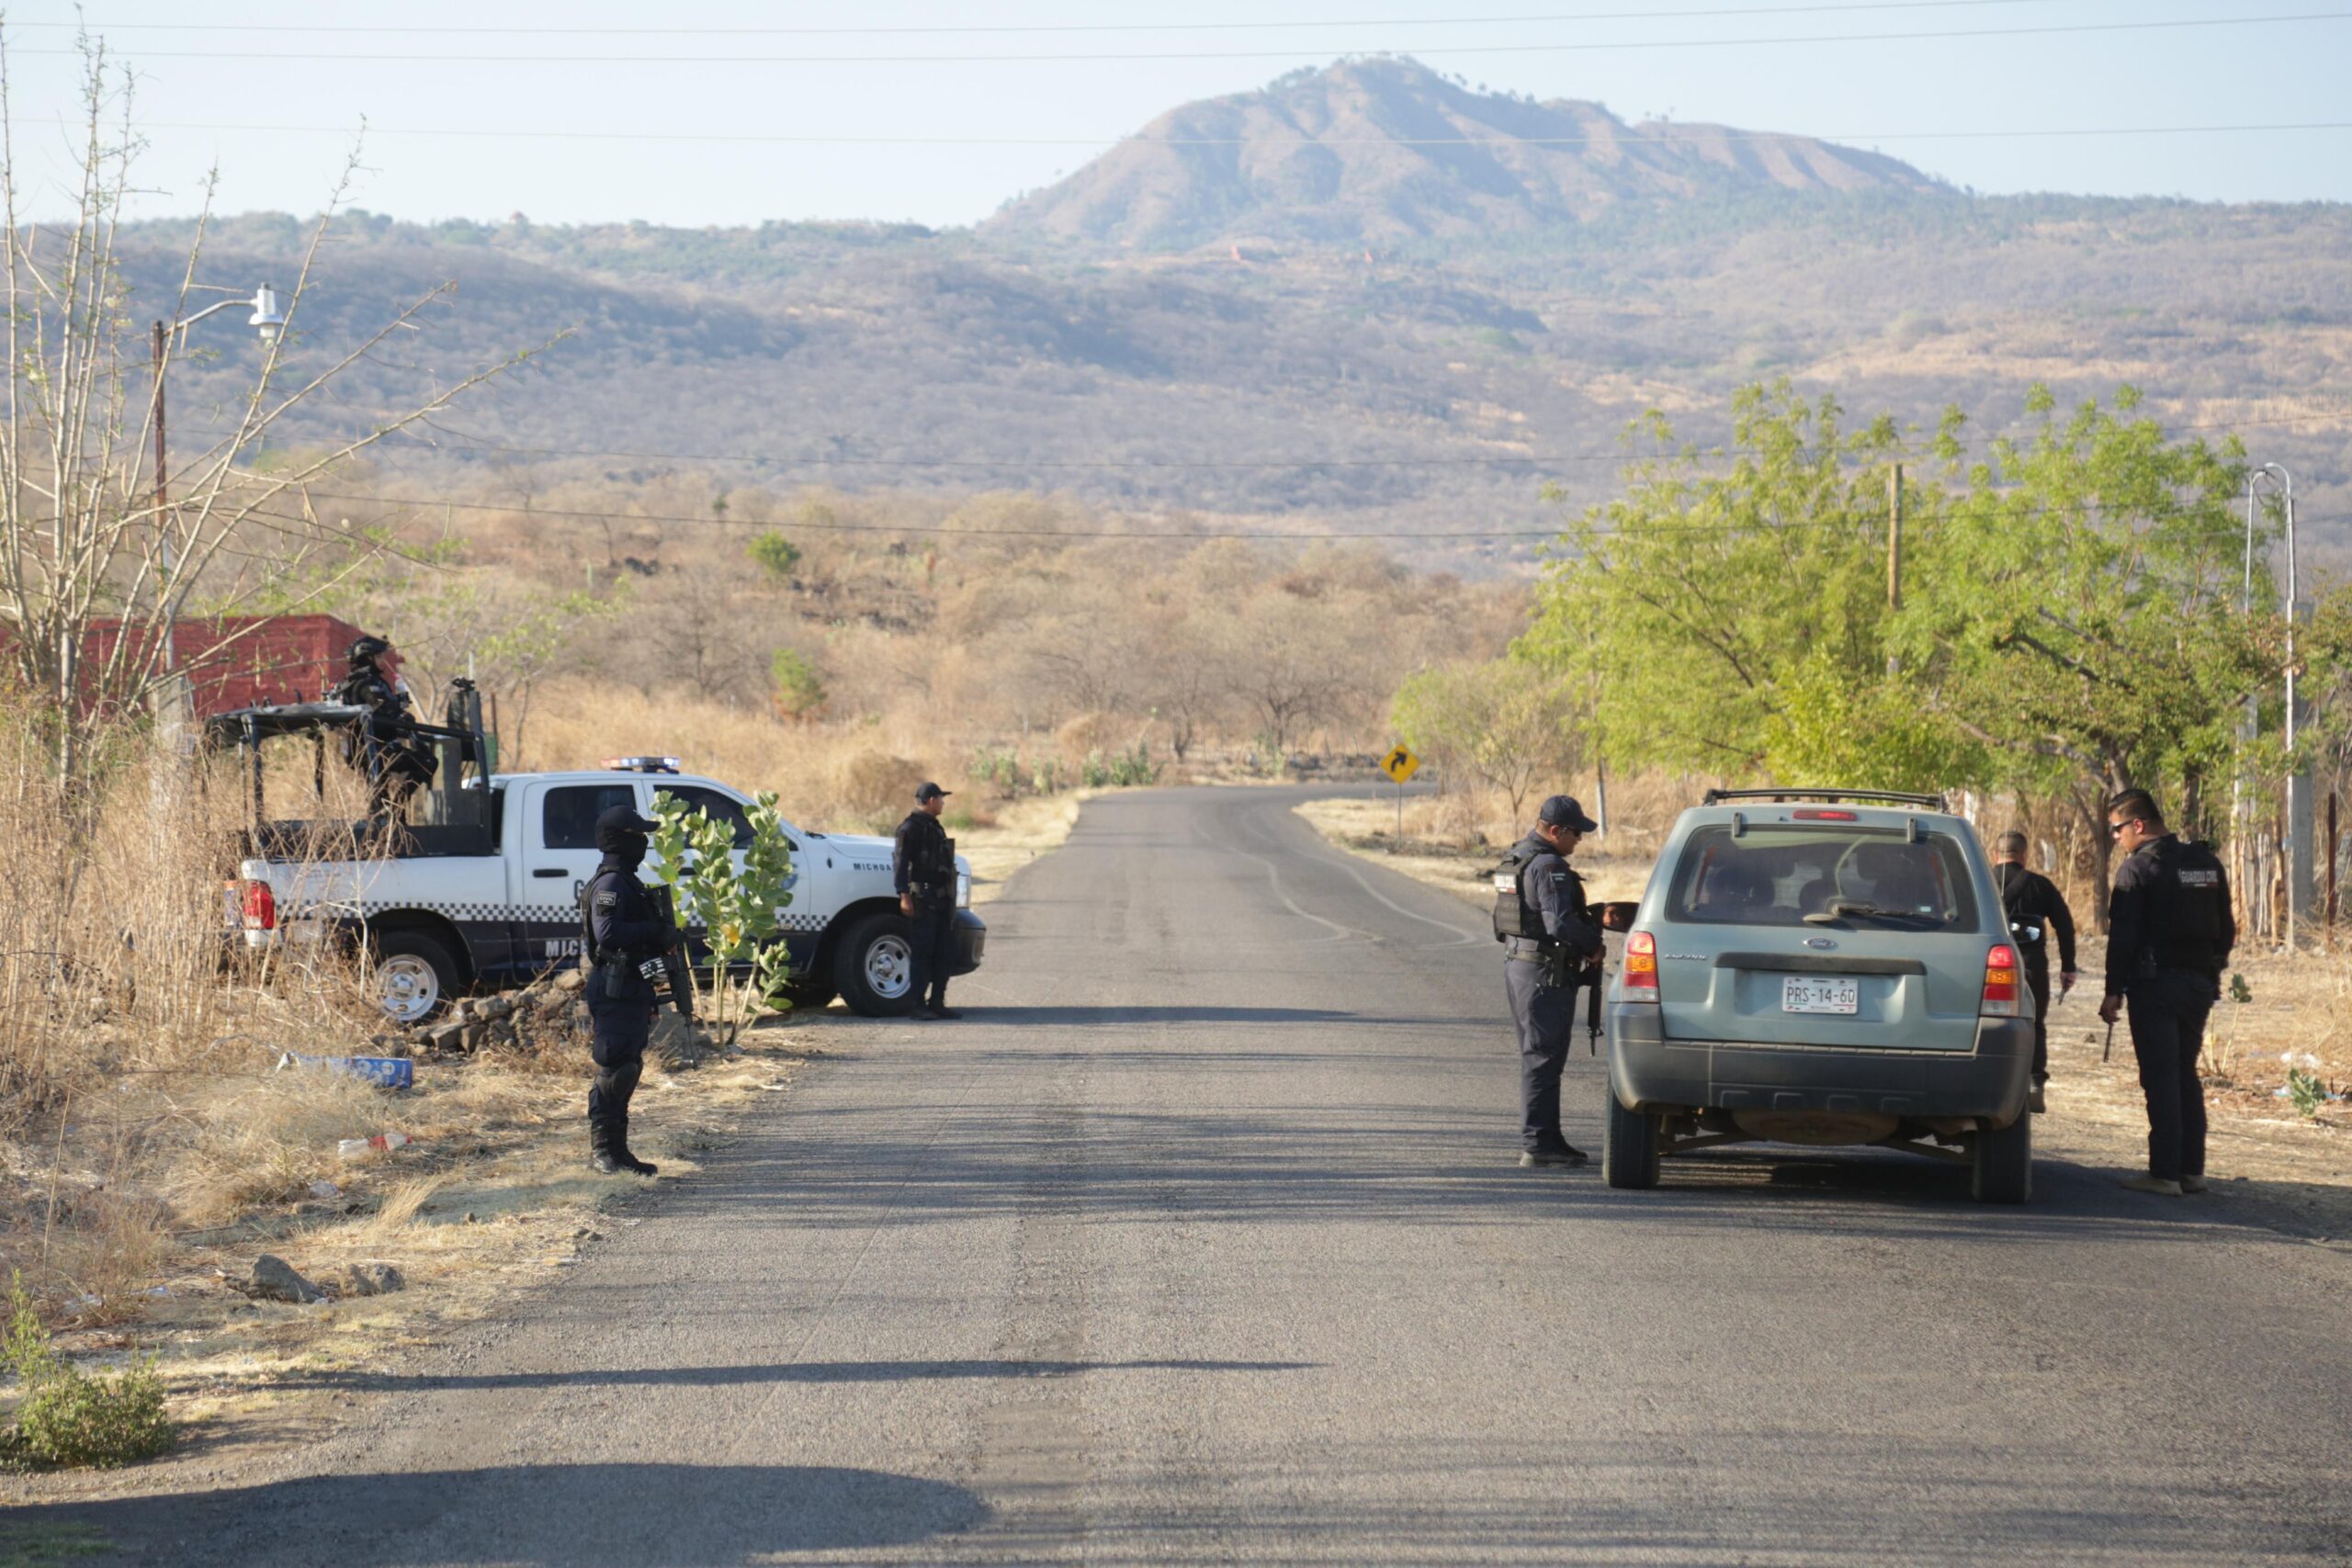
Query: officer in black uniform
x,y
2169,936
626,937
1551,943
386,745
2037,911
923,868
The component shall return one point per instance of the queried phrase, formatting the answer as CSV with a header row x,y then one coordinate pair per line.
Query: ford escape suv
x,y
1821,968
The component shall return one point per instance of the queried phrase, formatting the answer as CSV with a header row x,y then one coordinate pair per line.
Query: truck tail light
x,y
1640,980
2000,981
259,907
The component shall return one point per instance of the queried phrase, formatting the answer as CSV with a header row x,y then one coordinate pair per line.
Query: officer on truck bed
x,y
923,868
386,746
626,935
2037,911
2169,938
1551,942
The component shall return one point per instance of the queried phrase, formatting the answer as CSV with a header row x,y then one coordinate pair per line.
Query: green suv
x,y
1820,967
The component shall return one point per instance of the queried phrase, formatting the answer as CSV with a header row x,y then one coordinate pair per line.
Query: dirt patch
x,y
2293,1170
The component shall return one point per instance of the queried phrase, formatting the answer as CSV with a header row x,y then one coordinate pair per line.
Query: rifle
x,y
675,969
1592,1011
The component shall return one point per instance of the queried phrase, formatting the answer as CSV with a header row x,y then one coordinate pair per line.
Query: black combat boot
x,y
621,1157
601,1159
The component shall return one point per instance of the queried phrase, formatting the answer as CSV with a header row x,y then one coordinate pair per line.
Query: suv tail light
x,y
259,907
2000,981
1640,980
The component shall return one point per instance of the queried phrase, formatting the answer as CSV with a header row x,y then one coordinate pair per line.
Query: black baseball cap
x,y
1562,811
929,791
625,819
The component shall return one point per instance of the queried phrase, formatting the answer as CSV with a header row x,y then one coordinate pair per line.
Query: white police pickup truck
x,y
478,887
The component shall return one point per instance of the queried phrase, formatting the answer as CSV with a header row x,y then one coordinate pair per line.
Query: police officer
x,y
923,868
386,745
1550,941
626,937
2169,936
2037,911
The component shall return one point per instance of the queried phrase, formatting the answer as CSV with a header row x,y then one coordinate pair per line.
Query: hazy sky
x,y
754,83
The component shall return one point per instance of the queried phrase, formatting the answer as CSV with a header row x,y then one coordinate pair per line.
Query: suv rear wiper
x,y
1843,906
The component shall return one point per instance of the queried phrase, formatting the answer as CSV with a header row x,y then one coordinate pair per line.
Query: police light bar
x,y
642,764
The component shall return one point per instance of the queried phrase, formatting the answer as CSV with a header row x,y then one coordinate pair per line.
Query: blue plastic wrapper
x,y
387,1072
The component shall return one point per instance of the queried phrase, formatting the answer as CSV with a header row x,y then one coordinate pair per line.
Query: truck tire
x,y
1629,1153
873,967
414,974
2000,1164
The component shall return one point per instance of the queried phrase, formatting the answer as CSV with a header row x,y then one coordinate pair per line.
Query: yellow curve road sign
x,y
1400,765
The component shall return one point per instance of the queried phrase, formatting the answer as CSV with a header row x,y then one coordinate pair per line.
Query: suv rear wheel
x,y
2001,1163
1628,1140
874,966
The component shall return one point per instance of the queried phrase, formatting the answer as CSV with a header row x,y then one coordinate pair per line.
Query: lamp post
x,y
268,318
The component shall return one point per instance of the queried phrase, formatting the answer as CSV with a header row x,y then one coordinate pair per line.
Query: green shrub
x,y
67,1419
774,554
799,688
2305,1092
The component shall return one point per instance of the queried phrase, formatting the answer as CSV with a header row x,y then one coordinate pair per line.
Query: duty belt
x,y
1527,952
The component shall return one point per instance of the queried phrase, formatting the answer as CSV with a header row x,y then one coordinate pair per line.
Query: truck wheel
x,y
873,967
415,975
1629,1154
2001,1164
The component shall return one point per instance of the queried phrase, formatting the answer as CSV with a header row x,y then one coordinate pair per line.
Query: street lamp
x,y
269,320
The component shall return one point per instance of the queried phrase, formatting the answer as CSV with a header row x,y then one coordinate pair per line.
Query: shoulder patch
x,y
608,900
2199,877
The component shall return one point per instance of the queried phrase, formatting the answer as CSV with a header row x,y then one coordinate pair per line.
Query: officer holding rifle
x,y
1552,944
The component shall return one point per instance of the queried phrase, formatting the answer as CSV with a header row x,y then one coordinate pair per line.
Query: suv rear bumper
x,y
1648,1072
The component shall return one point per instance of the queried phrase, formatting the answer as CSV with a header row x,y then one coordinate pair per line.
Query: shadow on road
x,y
580,1515
801,1372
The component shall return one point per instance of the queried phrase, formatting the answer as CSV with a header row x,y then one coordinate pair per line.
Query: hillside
x,y
1436,383
1373,152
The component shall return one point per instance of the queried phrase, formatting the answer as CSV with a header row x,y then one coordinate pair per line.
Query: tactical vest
x,y
2188,908
2031,932
1514,916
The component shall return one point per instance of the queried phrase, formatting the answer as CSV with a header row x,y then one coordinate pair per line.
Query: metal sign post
x,y
1400,765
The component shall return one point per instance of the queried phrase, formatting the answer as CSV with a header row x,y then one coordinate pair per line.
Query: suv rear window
x,y
1777,875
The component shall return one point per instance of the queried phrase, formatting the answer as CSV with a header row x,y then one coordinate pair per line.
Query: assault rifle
x,y
675,972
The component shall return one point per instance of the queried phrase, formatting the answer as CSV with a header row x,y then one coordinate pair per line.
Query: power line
x,y
101,27
1203,537
1849,138
1556,459
1582,47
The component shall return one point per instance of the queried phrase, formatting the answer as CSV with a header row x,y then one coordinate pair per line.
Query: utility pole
x,y
1893,551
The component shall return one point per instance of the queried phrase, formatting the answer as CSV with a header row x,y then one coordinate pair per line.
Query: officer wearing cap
x,y
923,868
2037,912
2169,934
625,934
1550,938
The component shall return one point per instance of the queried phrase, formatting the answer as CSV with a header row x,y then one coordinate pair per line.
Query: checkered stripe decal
x,y
467,910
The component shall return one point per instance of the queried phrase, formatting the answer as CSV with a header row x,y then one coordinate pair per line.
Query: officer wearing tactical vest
x,y
923,868
624,936
2169,938
1552,941
2037,912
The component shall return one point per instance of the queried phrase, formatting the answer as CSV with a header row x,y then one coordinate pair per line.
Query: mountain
x,y
1371,152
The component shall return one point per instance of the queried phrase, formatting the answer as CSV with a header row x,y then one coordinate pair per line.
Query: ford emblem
x,y
1822,943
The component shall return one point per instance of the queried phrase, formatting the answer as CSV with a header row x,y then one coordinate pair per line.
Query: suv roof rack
x,y
1878,796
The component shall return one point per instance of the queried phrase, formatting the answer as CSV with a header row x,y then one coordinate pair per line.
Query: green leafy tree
x,y
2078,614
800,692
1506,724
735,894
774,554
1707,613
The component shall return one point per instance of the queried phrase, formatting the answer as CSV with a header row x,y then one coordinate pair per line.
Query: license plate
x,y
1802,993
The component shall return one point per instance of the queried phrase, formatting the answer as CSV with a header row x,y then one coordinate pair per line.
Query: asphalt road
x,y
1201,1240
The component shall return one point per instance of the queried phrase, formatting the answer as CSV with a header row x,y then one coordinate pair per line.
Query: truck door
x,y
554,860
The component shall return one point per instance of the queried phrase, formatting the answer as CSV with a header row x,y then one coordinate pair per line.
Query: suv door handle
x,y
549,871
